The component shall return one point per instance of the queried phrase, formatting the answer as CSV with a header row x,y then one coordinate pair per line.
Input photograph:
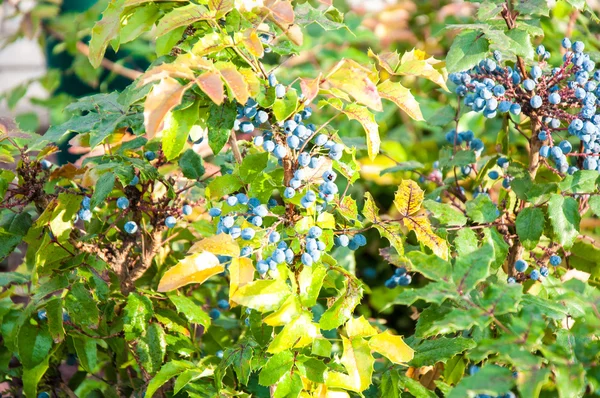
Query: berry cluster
x,y
563,99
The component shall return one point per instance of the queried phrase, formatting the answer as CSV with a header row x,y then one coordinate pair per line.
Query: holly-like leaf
x,y
392,347
191,310
310,88
191,165
262,295
467,49
220,7
564,219
166,372
445,214
360,327
151,348
408,198
182,16
138,313
177,129
241,272
490,379
341,310
194,268
103,188
234,80
81,306
104,31
402,97
221,244
278,365
164,96
299,332
33,344
358,362
430,352
530,225
284,107
355,80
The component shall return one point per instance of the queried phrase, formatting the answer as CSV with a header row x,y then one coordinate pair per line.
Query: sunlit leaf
x,y
182,16
300,332
212,85
358,362
360,327
164,96
195,268
262,295
221,244
104,31
354,79
408,198
402,97
241,272
310,88
234,81
392,347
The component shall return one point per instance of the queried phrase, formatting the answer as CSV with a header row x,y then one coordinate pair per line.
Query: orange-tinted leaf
x,y
212,85
221,244
251,80
310,88
69,171
294,33
195,268
174,70
326,2
281,10
354,79
235,81
164,96
402,97
252,43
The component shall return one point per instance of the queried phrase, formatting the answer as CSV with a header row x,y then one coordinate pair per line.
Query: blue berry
x,y
293,142
214,212
261,211
246,127
315,232
43,394
122,203
85,202
248,233
219,354
521,265
280,151
246,251
214,314
130,227
321,140
554,98
566,43
170,222
493,175
258,140
42,315
306,259
261,117
269,146
511,280
232,201
341,240
150,155
515,109
535,275
262,267
242,198
529,84
555,260
544,271
536,101
272,80
360,239
289,193
134,181
85,215
46,165
186,210
280,91
223,304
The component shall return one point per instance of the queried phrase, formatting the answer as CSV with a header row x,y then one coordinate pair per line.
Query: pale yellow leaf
x,y
392,347
360,327
211,43
195,268
164,96
300,332
252,43
221,244
289,310
358,362
354,79
262,295
421,225
402,97
241,272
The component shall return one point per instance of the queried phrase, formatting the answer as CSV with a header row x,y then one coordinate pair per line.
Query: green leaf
x,y
54,312
299,332
530,225
138,313
532,7
430,266
285,107
490,379
472,268
81,306
449,159
151,348
467,49
104,31
220,119
594,203
63,215
223,185
530,381
178,124
191,165
102,189
34,343
488,10
262,295
290,386
341,310
446,214
166,372
140,20
403,166
414,387
32,377
240,357
192,311
7,278
389,384
482,210
253,165
564,218
519,43
87,352
582,181
306,15
278,365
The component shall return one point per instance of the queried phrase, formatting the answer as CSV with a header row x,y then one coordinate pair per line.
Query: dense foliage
x,y
206,243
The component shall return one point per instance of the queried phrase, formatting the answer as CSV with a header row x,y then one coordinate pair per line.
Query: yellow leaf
x,y
326,221
353,78
409,198
252,81
221,244
195,268
324,392
422,227
366,118
402,97
358,362
300,332
174,70
392,347
360,327
212,43
164,96
284,315
241,272
261,295
281,11
416,63
212,85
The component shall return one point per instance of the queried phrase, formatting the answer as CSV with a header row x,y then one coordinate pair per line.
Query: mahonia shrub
x,y
198,247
